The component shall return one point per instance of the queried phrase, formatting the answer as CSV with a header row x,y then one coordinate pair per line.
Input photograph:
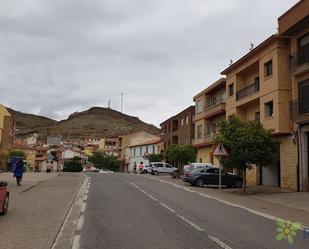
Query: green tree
x,y
182,154
156,157
248,144
103,161
18,153
73,165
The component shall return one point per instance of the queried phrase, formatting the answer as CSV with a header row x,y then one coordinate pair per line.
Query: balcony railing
x,y
299,109
300,62
248,90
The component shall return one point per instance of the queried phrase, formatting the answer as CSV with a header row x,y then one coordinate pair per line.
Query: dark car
x,y
210,176
4,198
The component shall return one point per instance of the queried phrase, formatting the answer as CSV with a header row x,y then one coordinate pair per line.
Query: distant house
x,y
54,140
124,143
178,129
29,151
109,146
141,152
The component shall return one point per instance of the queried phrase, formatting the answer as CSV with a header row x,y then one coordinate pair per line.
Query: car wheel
x,y
5,206
199,182
155,173
237,184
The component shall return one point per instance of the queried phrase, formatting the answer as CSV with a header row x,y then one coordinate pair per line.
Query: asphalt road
x,y
125,211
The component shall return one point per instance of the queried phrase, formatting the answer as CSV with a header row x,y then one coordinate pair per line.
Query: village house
x,y
178,129
258,89
295,24
109,146
139,153
30,152
7,130
209,111
125,141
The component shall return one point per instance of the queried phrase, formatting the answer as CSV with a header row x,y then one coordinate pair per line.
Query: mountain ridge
x,y
96,122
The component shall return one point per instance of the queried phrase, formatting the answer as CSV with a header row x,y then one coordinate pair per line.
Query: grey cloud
x,y
158,53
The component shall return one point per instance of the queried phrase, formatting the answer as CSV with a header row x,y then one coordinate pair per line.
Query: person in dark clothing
x,y
18,171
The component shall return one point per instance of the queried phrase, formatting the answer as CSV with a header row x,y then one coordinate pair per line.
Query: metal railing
x,y
248,90
299,59
299,108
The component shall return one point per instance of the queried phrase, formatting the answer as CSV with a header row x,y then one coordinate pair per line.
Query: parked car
x,y
106,171
4,198
193,166
210,176
159,167
147,169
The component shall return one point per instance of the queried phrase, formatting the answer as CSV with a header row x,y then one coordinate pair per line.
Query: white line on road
x,y
150,196
219,242
80,223
167,207
198,228
76,242
83,209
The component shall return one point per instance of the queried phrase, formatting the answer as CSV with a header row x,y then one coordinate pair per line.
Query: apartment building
x,y
178,129
7,125
258,89
295,24
209,111
109,146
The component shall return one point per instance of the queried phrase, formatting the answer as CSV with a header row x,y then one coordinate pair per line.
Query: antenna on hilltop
x,y
231,62
121,107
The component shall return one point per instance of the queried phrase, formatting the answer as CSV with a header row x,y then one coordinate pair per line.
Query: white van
x,y
159,167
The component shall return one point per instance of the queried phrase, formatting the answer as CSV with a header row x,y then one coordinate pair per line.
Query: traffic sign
x,y
220,151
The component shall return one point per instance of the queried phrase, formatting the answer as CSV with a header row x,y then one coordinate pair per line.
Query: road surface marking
x,y
80,223
150,196
167,207
76,242
83,207
258,213
143,191
198,228
219,242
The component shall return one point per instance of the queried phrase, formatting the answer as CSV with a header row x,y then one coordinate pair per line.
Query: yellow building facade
x,y
258,89
209,111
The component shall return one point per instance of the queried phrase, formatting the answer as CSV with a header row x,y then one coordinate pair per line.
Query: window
x,y
268,68
303,50
199,106
231,89
231,116
257,117
153,149
140,151
181,122
269,109
187,119
134,152
199,131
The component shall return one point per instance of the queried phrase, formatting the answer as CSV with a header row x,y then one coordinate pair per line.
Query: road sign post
x,y
220,152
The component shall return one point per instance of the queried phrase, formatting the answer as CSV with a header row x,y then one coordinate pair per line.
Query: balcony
x,y
216,109
300,63
299,110
248,90
204,141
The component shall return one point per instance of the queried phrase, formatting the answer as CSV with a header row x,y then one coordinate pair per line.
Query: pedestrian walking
x,y
134,167
18,171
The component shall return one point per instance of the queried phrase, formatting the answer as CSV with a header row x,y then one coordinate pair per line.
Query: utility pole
x,y
121,106
109,104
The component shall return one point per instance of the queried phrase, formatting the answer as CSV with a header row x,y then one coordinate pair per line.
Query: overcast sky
x,y
62,56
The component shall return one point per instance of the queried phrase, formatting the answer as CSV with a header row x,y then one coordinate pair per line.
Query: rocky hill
x,y
94,123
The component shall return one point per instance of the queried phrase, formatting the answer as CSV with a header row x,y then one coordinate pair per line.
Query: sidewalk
x,y
29,180
293,206
37,209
